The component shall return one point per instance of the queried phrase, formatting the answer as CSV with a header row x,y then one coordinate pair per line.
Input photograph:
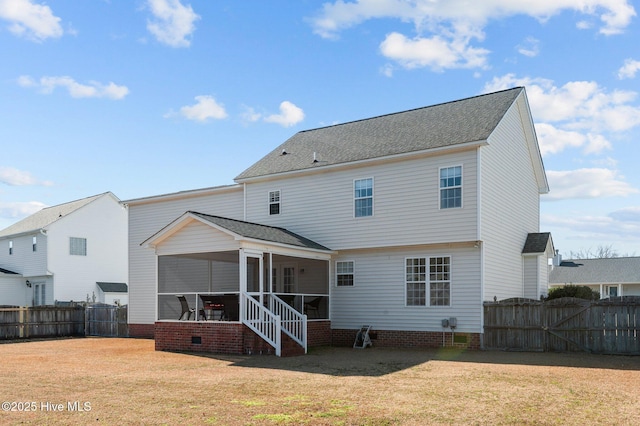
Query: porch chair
x,y
186,310
313,306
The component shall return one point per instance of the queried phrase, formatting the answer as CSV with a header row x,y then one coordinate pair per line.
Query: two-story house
x,y
398,222
66,253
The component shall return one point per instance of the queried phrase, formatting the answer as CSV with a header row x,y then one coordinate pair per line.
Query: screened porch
x,y
207,286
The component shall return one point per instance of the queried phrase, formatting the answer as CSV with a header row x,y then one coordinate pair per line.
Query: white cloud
x,y
289,115
629,69
14,177
20,209
250,115
530,47
173,23
204,109
585,184
76,90
436,52
33,21
577,114
452,24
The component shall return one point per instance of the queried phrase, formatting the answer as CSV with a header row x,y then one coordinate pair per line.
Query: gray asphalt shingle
x,y
615,270
449,124
261,232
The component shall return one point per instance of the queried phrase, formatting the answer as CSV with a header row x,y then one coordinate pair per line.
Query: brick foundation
x,y
318,333
142,330
231,338
408,339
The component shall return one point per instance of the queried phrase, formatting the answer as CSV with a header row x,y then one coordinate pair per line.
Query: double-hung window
x,y
34,244
344,273
78,246
10,247
274,202
363,197
428,281
450,187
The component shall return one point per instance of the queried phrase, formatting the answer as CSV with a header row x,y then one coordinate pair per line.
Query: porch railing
x,y
262,321
294,324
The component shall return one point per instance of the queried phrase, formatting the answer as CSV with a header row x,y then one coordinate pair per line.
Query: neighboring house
x,y
611,277
398,222
61,253
113,293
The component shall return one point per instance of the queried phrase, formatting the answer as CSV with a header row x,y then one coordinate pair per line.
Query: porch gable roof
x,y
240,230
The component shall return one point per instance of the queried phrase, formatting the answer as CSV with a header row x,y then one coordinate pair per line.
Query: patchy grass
x,y
124,381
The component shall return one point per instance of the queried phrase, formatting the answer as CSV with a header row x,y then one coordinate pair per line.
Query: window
x,y
10,247
274,202
34,244
416,281
363,197
451,187
78,246
438,279
344,273
39,295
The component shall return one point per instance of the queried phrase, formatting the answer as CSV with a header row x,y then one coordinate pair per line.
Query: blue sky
x,y
150,97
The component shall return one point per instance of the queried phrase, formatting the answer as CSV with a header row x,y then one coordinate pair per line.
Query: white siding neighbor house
x,y
62,253
398,222
611,277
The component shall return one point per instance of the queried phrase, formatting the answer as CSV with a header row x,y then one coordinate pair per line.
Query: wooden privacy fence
x,y
107,320
41,321
63,321
608,326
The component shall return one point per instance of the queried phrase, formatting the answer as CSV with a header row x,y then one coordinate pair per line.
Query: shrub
x,y
577,291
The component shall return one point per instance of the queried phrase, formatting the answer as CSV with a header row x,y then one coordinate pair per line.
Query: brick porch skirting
x,y
142,330
409,339
231,338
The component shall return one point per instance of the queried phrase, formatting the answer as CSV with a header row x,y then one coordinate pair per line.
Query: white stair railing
x,y
293,322
263,322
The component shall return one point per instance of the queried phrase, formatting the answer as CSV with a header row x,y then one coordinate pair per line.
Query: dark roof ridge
x,y
409,110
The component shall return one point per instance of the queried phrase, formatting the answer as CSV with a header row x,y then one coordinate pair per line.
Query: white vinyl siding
x,y
381,283
23,259
147,218
406,211
510,206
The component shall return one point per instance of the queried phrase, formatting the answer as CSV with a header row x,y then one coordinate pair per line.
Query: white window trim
x,y
428,282
353,273
373,194
269,203
461,187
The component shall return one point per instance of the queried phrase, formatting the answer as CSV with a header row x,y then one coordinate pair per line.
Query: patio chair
x,y
313,306
186,310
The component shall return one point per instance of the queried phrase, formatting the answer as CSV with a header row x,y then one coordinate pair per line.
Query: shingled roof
x,y
47,216
470,120
615,270
261,232
536,242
